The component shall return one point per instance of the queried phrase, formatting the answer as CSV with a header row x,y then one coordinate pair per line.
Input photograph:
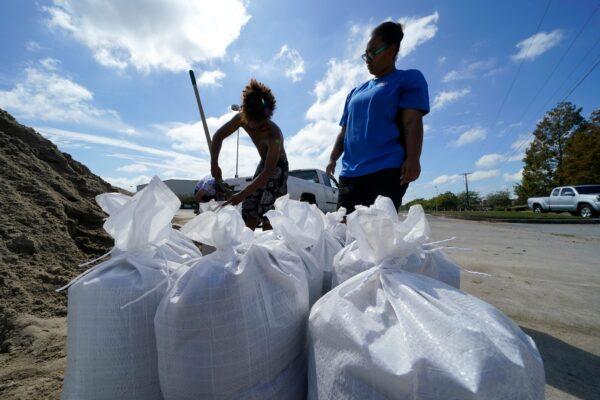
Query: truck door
x,y
553,203
566,199
330,194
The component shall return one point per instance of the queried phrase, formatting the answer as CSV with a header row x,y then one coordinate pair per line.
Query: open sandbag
x,y
111,350
390,334
233,326
379,235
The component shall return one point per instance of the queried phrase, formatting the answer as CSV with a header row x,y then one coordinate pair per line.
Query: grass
x,y
522,215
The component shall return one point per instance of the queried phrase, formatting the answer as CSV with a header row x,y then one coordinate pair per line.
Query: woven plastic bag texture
x,y
111,352
391,334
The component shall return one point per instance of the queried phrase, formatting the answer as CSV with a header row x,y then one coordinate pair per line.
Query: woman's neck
x,y
385,72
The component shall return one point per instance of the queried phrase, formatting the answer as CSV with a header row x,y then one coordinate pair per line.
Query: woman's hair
x,y
390,33
258,102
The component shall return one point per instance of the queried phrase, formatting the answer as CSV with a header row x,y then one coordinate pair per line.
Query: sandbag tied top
x,y
380,233
223,229
296,221
335,226
303,227
390,334
145,219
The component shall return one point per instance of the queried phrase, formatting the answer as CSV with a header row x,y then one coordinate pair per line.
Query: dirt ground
x,y
547,279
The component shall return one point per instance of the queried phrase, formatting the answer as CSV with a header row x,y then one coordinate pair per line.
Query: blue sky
x,y
108,83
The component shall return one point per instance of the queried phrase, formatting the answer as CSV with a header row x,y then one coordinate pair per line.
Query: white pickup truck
x,y
311,185
581,200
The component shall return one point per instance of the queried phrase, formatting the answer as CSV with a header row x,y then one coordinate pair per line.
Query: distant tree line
x,y
449,201
565,151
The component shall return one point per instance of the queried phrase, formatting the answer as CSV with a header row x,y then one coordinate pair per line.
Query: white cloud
x,y
211,78
538,44
32,46
129,184
292,63
517,176
446,97
470,136
133,168
417,31
484,174
442,59
443,179
331,91
162,34
470,71
522,142
490,160
45,95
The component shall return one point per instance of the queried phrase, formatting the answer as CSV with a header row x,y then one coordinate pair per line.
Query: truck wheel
x,y
538,209
586,211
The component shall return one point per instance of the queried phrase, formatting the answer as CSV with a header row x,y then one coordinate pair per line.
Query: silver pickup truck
x,y
311,185
581,200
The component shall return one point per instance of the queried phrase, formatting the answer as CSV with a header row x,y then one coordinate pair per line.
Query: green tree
x,y
474,199
446,201
581,163
545,156
500,199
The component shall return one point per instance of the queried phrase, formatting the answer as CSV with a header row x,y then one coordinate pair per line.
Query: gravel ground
x,y
547,278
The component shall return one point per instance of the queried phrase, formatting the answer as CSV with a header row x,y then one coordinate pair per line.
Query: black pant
x,y
363,190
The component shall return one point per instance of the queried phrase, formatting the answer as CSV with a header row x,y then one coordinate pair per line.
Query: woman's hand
x,y
410,171
330,169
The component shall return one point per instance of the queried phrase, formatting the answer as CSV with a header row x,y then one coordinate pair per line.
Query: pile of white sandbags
x,y
392,331
111,350
233,326
308,232
378,234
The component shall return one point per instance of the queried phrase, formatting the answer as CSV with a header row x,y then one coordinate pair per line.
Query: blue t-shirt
x,y
371,140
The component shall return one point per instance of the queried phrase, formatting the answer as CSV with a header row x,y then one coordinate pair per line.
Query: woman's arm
x,y
412,121
217,141
336,152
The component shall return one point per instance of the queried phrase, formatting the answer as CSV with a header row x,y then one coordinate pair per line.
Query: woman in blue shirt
x,y
382,126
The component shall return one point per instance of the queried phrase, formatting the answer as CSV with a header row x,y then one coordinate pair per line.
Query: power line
x,y
521,64
579,64
558,63
563,99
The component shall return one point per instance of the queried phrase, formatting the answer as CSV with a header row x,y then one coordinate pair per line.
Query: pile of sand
x,y
49,223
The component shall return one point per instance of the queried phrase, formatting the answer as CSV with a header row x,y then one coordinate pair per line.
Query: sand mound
x,y
49,223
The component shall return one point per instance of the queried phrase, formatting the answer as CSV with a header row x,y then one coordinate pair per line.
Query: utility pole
x,y
236,107
466,174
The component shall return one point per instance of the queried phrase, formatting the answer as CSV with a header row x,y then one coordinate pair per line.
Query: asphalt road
x,y
547,279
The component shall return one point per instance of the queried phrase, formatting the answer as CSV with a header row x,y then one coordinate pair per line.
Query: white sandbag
x,y
111,351
381,235
178,248
390,334
302,226
334,224
233,326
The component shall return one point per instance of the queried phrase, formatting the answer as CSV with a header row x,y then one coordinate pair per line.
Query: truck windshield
x,y
306,175
588,189
555,192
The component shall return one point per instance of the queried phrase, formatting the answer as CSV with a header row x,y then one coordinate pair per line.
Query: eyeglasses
x,y
370,55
